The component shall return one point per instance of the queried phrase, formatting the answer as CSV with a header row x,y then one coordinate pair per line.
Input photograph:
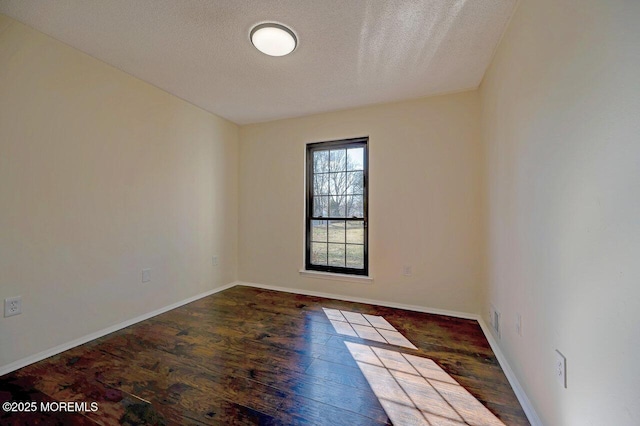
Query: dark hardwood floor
x,y
253,356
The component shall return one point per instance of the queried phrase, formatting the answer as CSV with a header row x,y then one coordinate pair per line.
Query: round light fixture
x,y
273,39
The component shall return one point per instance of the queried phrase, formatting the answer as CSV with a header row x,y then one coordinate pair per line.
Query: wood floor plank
x,y
250,356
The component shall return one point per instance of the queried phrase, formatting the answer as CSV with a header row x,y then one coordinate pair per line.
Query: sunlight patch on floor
x,y
364,326
416,391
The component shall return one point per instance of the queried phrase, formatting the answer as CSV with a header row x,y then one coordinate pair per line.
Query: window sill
x,y
336,277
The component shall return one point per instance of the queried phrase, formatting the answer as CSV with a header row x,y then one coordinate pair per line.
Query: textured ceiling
x,y
350,52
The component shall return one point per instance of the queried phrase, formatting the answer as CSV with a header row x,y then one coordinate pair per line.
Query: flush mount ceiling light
x,y
273,39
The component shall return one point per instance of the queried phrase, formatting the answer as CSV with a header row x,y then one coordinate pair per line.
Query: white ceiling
x,y
350,52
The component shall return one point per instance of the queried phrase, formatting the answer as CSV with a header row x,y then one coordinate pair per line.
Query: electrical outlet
x,y
146,275
214,260
561,369
13,306
407,270
495,320
519,324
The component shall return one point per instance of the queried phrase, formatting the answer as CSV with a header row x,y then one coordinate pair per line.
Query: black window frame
x,y
309,169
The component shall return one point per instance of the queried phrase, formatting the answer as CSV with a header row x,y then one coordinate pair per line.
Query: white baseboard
x,y
506,368
513,381
415,308
84,339
515,384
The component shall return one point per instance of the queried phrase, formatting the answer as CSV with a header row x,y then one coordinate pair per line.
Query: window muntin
x,y
336,220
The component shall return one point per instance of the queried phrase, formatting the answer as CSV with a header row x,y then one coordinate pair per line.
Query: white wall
x,y
102,175
560,116
424,200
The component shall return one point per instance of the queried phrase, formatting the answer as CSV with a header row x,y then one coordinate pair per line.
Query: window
x,y
336,218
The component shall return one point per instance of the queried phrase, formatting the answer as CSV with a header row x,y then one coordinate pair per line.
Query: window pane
x,y
335,189
336,255
355,232
355,206
319,230
355,159
320,206
338,160
337,183
337,231
320,184
319,253
320,161
355,183
337,206
355,256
